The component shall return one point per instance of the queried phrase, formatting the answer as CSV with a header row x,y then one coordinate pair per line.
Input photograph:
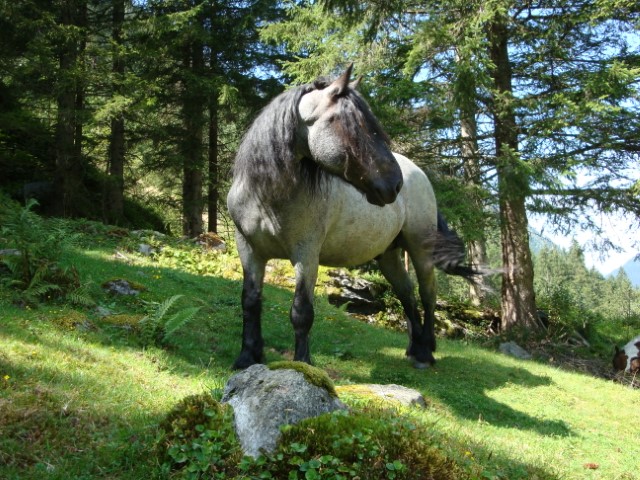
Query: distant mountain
x,y
632,269
537,241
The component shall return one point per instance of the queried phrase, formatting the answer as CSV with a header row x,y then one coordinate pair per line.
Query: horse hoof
x,y
245,361
421,365
238,365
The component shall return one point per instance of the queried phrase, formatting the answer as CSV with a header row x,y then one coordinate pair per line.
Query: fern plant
x,y
34,241
81,295
36,247
159,326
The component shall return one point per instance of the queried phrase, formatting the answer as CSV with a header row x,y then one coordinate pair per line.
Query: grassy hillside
x,y
82,395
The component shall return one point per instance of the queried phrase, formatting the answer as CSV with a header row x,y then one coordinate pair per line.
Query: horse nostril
x,y
399,187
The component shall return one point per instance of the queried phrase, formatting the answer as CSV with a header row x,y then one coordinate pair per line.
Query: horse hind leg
x,y
253,271
420,348
427,289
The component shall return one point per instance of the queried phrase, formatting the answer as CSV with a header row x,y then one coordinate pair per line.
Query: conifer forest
x,y
129,112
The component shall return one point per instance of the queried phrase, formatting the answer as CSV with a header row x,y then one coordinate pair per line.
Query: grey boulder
x,y
264,400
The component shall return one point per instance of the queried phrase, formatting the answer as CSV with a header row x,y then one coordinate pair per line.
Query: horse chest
x,y
357,232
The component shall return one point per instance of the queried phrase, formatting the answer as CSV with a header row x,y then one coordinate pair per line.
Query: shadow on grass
x,y
462,385
456,382
53,425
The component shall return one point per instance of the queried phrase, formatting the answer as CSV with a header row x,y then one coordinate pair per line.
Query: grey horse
x,y
315,182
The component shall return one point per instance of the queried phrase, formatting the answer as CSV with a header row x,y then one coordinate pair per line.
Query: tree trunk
x,y
518,297
192,154
69,101
477,247
213,163
113,200
469,149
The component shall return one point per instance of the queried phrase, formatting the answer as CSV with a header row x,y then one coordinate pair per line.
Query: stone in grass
x,y
514,350
146,249
391,393
120,286
265,398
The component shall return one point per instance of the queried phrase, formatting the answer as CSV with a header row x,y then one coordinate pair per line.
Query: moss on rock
x,y
198,427
124,320
314,375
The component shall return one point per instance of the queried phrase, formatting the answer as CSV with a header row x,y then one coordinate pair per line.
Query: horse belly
x,y
360,235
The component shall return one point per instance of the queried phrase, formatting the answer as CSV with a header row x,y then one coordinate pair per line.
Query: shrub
x,y
566,314
369,445
197,438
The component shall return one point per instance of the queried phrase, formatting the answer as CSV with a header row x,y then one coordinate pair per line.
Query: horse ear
x,y
341,84
356,83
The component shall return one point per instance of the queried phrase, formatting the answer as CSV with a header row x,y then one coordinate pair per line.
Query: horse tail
x,y
449,253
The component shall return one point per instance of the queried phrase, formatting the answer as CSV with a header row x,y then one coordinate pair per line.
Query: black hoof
x,y
306,360
246,359
421,358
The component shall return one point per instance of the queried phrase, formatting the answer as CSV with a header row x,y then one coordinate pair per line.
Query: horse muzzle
x,y
384,191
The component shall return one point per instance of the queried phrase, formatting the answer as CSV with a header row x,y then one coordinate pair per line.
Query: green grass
x,y
81,398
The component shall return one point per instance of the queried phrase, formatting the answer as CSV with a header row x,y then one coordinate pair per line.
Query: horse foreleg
x,y
302,308
253,271
396,274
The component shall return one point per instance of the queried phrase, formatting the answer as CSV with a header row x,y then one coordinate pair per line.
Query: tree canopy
x,y
108,109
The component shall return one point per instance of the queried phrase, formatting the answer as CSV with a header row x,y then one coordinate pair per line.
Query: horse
x,y
315,182
627,359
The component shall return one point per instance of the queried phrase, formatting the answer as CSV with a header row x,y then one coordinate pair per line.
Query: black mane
x,y
359,127
267,155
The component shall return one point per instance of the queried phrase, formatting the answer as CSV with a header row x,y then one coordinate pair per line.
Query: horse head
x,y
619,359
338,131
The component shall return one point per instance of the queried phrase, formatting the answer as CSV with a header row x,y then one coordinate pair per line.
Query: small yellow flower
x,y
6,378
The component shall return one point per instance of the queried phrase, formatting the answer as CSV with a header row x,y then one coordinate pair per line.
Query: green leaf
x,y
298,447
178,320
312,475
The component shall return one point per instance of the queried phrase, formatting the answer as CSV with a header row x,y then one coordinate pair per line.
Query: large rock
x,y
264,399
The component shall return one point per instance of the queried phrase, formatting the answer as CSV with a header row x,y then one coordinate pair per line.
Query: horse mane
x,y
353,115
267,154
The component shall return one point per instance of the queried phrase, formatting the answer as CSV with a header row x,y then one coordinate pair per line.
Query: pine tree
x,y
208,68
113,196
